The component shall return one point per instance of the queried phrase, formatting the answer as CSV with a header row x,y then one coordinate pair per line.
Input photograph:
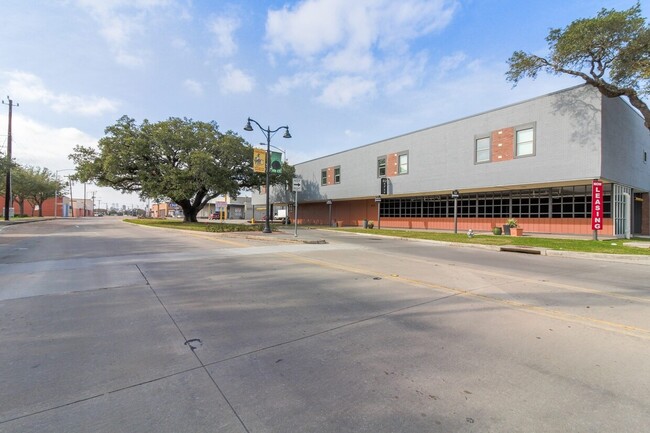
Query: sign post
x,y
378,201
297,187
596,207
455,194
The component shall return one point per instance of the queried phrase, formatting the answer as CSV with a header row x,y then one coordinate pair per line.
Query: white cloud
x,y
44,146
26,87
450,63
121,22
235,80
345,90
353,47
335,29
193,87
223,29
285,85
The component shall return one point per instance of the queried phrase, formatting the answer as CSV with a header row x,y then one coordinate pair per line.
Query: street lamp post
x,y
284,154
268,134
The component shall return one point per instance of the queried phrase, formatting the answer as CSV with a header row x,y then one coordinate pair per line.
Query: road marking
x,y
616,327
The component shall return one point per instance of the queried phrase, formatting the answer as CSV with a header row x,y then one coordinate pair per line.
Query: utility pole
x,y
8,197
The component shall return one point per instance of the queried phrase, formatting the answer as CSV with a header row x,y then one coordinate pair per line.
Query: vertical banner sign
x,y
276,162
259,160
597,205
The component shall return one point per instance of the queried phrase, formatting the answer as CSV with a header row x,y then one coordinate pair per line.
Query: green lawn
x,y
616,246
178,224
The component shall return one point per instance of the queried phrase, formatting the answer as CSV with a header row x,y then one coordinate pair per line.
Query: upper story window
x,y
482,149
381,166
323,177
337,174
525,142
403,163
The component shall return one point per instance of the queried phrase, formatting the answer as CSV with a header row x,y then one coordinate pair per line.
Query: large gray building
x,y
533,161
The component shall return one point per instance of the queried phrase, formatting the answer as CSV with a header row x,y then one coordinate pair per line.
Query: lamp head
x,y
286,134
248,126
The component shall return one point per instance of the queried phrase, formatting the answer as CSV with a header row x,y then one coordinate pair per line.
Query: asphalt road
x,y
110,327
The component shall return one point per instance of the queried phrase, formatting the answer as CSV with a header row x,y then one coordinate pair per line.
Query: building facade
x,y
65,207
533,161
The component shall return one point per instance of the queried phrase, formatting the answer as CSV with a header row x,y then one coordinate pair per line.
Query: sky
x,y
339,73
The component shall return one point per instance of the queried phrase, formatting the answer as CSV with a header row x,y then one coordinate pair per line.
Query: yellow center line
x,y
616,327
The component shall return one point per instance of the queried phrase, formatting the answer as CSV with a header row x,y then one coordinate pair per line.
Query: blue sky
x,y
340,73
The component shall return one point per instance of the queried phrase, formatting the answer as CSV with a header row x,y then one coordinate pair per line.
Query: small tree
x,y
189,162
611,52
21,186
45,186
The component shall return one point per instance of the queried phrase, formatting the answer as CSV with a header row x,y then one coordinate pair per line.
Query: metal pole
x,y
267,225
330,214
56,189
8,198
455,215
71,199
378,215
295,216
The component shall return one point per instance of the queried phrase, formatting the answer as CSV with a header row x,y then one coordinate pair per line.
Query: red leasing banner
x,y
597,205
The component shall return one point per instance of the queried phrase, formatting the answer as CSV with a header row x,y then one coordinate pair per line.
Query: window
x,y
337,175
483,149
403,163
525,144
565,202
323,177
381,166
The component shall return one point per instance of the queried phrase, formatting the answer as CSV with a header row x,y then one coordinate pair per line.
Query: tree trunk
x,y
189,211
21,206
40,208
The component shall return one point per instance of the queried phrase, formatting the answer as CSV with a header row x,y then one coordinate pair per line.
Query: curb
x,y
618,258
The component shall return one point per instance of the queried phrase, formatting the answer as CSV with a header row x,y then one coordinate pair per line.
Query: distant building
x,y
65,207
533,161
228,207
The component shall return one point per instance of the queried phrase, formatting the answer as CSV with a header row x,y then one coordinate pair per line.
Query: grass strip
x,y
216,227
616,246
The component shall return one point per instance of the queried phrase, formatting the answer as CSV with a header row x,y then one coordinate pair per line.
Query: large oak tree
x,y
610,52
189,162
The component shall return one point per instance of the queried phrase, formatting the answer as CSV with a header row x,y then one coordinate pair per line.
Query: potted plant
x,y
370,224
496,230
514,228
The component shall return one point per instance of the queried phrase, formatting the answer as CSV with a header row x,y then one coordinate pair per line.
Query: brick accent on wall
x,y
503,144
330,175
391,165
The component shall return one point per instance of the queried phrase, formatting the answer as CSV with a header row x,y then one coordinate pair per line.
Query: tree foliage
x,y
44,185
610,52
33,185
189,162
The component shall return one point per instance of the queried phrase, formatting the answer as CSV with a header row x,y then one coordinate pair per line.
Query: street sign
x,y
378,199
297,184
455,194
